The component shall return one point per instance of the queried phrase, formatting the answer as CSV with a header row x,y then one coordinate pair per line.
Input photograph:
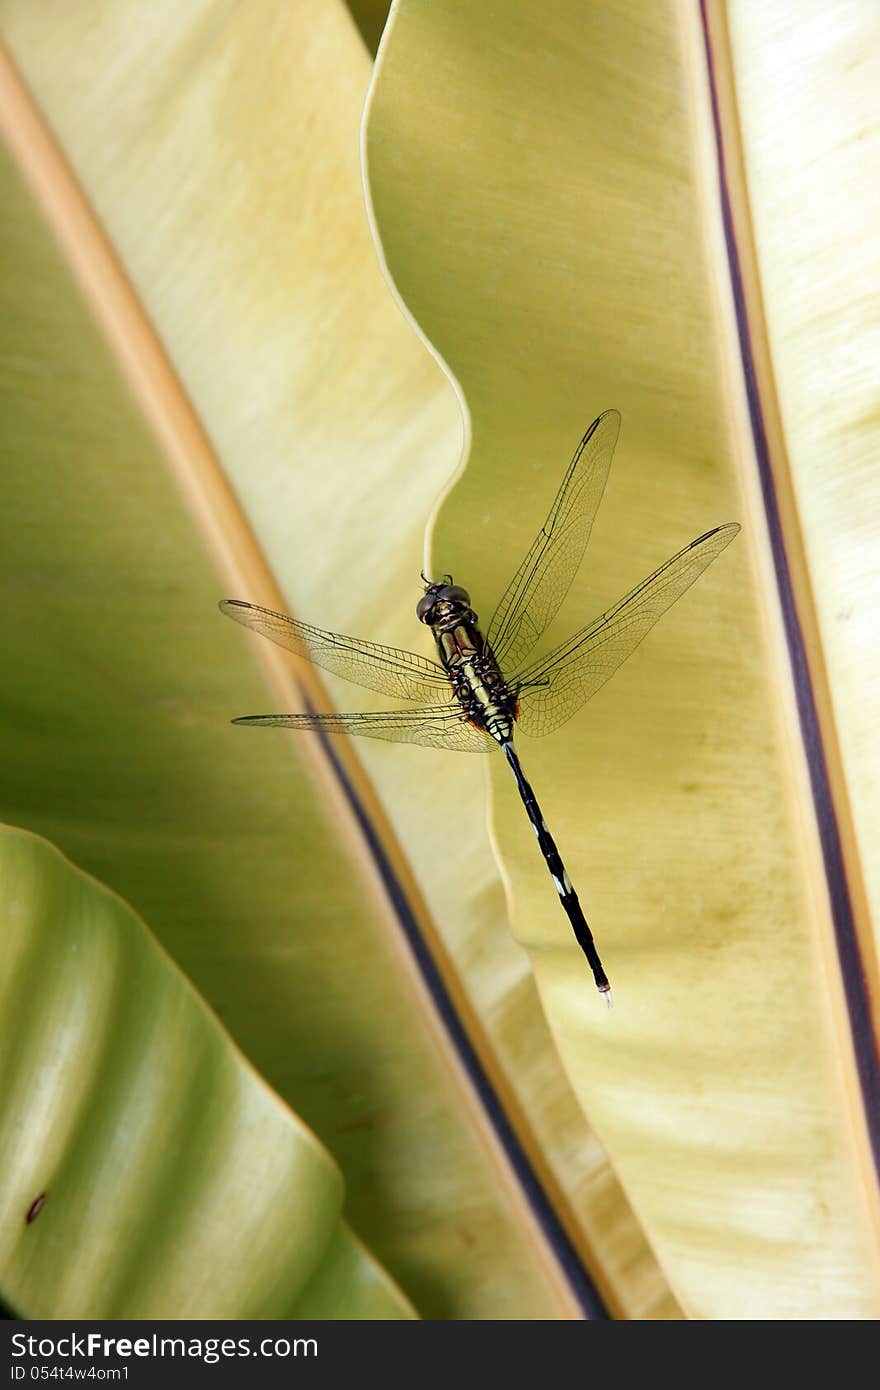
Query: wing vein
x,y
387,670
556,685
545,574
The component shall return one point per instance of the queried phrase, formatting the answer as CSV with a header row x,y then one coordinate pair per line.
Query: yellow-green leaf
x,y
148,1172
548,195
121,677
545,185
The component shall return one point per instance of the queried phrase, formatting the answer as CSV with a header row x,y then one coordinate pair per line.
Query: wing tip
x,y
729,530
611,418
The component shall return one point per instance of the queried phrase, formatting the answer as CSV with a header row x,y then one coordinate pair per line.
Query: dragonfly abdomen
x,y
558,872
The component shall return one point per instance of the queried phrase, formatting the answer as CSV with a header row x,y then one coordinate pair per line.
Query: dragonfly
x,y
484,686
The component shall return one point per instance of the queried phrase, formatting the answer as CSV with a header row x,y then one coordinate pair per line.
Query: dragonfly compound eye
x,y
425,607
453,593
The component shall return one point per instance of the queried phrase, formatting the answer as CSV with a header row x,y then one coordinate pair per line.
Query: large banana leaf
x,y
545,189
120,678
576,218
808,143
147,1171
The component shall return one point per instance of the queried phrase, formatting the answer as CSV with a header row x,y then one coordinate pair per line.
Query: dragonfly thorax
x,y
476,679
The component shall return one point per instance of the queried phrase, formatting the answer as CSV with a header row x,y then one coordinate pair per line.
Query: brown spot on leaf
x,y
35,1208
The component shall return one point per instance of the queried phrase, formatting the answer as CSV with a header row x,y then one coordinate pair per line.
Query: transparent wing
x,y
533,596
553,688
437,727
387,670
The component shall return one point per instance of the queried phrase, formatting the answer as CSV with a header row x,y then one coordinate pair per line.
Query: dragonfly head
x,y
443,601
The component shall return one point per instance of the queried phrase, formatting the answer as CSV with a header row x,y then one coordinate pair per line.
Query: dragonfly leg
x,y
567,896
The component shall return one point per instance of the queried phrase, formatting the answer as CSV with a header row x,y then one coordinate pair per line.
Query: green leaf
x,y
240,850
175,1183
545,185
546,189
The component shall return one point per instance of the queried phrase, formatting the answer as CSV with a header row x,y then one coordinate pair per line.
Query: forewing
x,y
553,688
533,596
437,727
388,670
